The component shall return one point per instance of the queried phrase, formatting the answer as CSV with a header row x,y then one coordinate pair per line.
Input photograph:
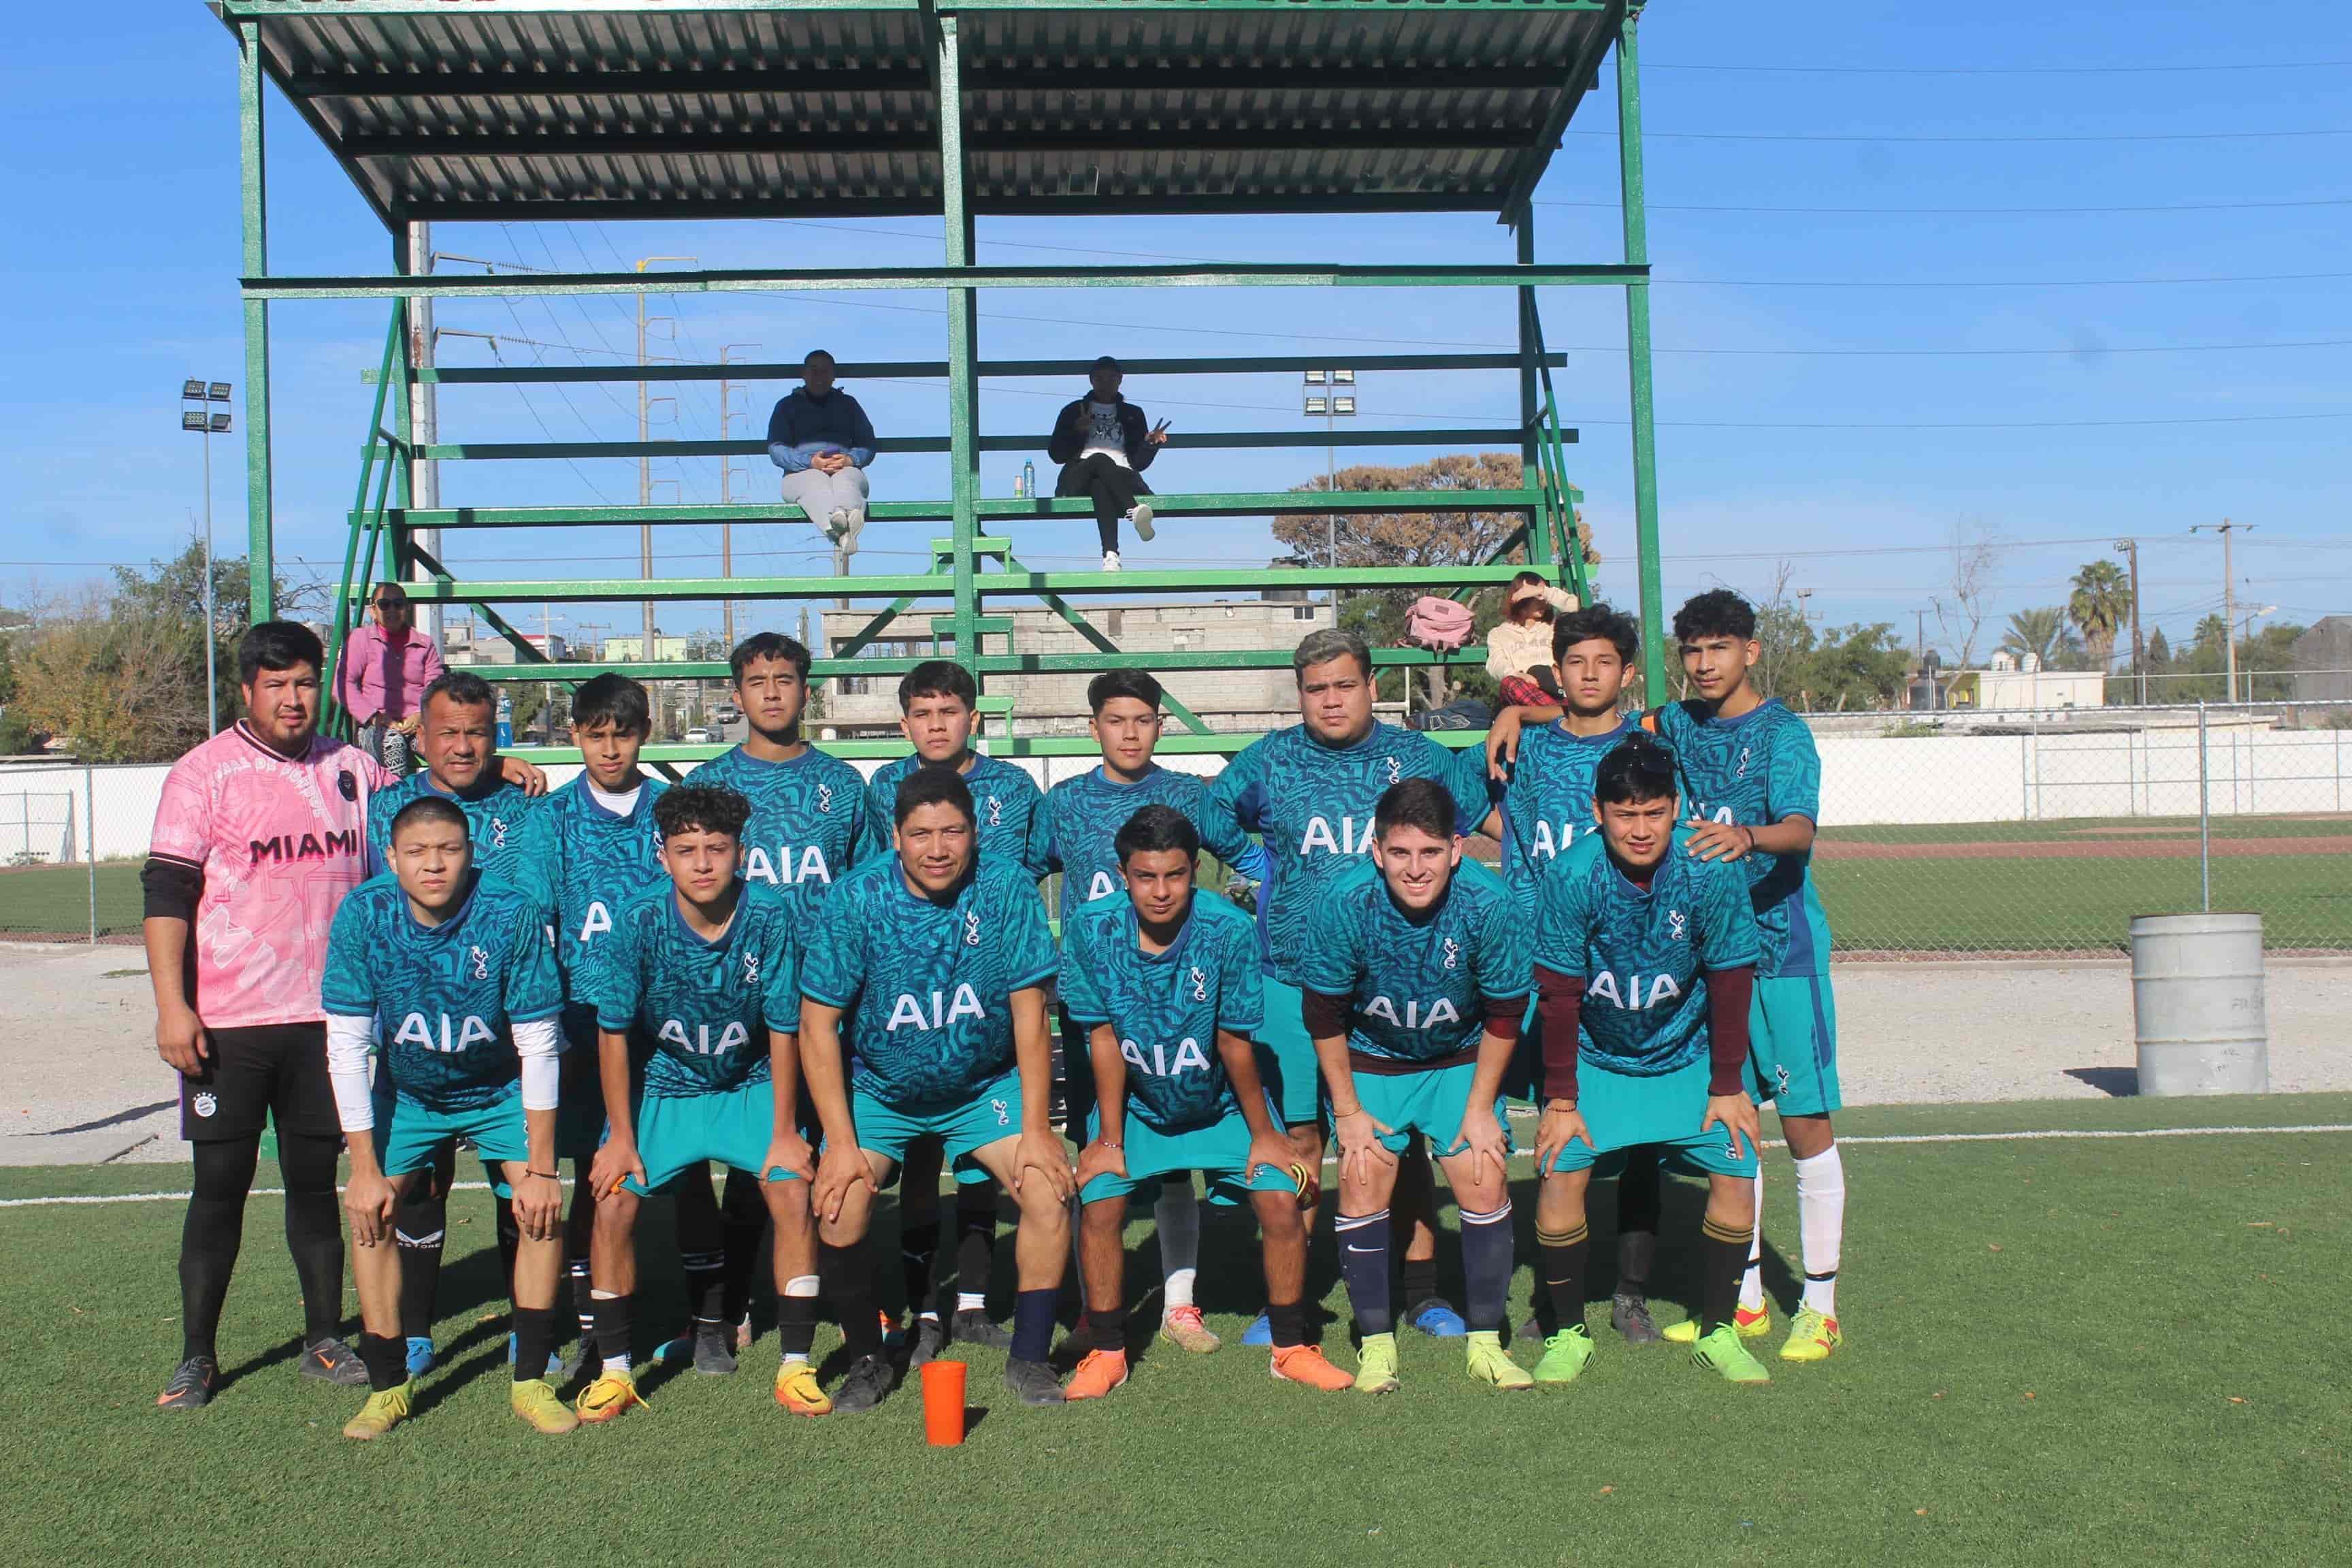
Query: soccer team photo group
x,y
818,988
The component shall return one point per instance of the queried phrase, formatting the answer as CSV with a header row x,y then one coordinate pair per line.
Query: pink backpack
x,y
1439,625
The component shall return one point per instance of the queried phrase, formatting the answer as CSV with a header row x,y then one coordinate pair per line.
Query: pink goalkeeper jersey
x,y
279,842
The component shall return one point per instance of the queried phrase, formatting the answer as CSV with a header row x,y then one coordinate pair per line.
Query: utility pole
x,y
425,419
2229,602
1333,405
645,459
208,423
2130,549
726,488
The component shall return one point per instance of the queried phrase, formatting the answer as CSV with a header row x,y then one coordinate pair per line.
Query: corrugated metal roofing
x,y
455,112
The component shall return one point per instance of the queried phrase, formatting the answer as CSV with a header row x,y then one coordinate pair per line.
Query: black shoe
x,y
334,1361
1530,1329
1033,1381
714,1349
931,1339
1629,1316
973,1326
192,1385
862,1389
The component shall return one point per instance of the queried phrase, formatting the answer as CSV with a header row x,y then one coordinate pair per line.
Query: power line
x,y
1962,211
1992,282
1971,141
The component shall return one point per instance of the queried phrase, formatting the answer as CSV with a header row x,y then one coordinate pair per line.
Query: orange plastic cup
x,y
943,1386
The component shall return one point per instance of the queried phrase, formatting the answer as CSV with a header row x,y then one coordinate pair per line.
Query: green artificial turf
x,y
2061,1351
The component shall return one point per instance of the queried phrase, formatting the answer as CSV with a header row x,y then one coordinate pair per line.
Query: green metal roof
x,y
584,109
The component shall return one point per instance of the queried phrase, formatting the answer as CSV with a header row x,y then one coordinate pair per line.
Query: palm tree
x,y
2101,602
2039,634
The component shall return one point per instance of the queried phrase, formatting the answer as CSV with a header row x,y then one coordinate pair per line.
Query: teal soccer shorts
x,y
410,1135
1220,1152
732,1126
1430,1102
990,1115
1285,1057
1792,1044
1621,1111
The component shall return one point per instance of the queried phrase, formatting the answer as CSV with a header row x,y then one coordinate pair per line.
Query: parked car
x,y
728,714
701,735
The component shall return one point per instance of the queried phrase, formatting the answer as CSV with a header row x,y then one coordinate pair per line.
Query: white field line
x,y
2039,1135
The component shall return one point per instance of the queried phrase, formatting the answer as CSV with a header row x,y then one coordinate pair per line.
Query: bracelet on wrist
x,y
551,1175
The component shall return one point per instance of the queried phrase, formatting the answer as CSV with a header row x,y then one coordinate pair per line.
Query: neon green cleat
x,y
1721,1352
1376,1365
542,1407
384,1409
612,1393
1489,1363
1565,1355
1812,1337
1753,1323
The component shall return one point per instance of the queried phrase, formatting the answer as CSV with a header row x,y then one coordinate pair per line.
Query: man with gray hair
x,y
1310,792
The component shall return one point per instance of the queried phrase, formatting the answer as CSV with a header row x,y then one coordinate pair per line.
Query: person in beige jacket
x,y
1518,650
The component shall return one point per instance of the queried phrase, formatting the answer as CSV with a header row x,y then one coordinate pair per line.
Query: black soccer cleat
x,y
714,1350
192,1385
931,1339
864,1387
973,1326
331,1361
1629,1314
1033,1382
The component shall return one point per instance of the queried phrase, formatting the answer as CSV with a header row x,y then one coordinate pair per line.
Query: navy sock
x,y
1032,1324
1486,1257
1364,1264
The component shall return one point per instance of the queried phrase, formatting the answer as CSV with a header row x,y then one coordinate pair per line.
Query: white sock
x,y
969,1302
1820,1226
1177,1215
1751,1284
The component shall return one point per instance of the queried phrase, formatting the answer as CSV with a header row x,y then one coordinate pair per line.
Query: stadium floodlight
x,y
202,421
1318,406
1314,378
219,425
192,422
1343,406
192,390
216,391
1343,378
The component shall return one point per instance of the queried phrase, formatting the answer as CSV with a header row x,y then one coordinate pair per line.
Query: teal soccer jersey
x,y
445,999
1313,805
1546,804
496,820
808,815
1010,808
1754,771
1418,990
925,988
1167,1007
589,862
1644,954
1084,815
706,1006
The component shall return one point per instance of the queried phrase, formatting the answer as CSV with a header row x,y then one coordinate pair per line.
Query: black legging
x,y
1112,487
215,1229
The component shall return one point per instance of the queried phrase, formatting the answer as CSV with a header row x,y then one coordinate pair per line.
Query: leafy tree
x,y
2159,653
2100,603
1860,666
124,682
2039,634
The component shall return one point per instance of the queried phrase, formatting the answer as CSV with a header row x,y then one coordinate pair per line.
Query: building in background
x,y
2008,683
668,650
1049,704
2323,661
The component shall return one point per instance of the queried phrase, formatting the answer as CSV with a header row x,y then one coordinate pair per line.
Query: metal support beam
x,y
1231,440
1637,362
852,370
253,180
1531,357
963,354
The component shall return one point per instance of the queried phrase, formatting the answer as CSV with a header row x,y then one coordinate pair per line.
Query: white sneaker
x,y
835,523
1138,516
1110,561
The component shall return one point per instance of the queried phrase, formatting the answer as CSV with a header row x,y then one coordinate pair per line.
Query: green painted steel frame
x,y
388,521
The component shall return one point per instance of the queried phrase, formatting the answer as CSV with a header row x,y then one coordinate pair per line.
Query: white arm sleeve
x,y
536,1043
348,1043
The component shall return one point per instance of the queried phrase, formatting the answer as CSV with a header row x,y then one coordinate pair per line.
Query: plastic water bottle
x,y
506,719
1029,479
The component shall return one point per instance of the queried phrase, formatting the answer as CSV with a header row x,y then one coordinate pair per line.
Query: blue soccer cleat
x,y
1438,1321
1260,1332
420,1354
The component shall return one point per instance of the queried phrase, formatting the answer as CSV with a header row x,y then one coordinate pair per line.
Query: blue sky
x,y
1854,464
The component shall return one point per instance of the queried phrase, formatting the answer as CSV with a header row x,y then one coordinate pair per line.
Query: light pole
x,y
208,423
1320,391
2245,626
726,487
2129,549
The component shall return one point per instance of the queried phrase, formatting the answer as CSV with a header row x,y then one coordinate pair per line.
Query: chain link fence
x,y
1946,835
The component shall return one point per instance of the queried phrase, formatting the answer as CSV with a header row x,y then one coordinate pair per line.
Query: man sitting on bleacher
x,y
822,441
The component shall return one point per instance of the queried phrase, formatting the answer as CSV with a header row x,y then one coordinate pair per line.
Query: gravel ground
x,y
80,1082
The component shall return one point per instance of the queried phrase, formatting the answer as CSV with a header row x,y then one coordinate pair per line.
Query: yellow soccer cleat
x,y
798,1391
1376,1365
1812,1337
606,1398
1489,1363
384,1409
542,1407
1753,1323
